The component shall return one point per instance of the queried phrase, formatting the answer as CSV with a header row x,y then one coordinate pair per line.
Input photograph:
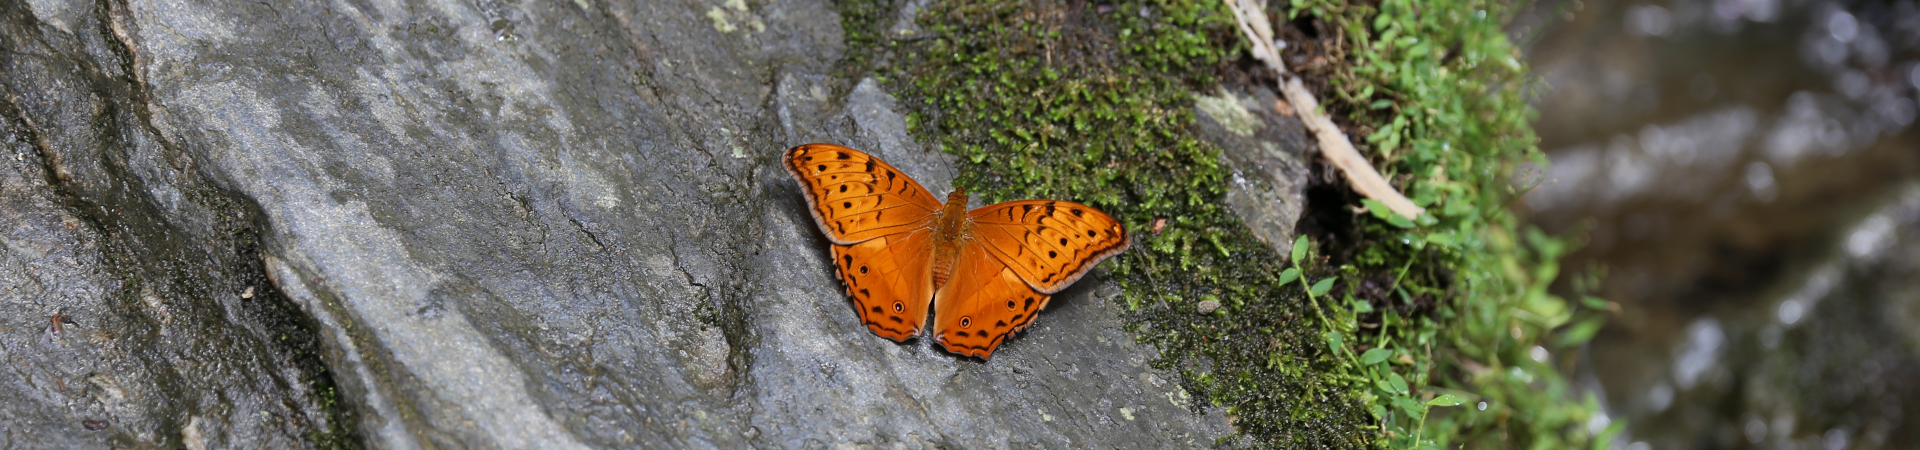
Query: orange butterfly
x,y
898,248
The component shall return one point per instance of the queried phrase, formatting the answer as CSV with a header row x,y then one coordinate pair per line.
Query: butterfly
x,y
984,273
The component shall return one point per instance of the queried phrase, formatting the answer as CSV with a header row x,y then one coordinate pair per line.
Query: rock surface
x,y
1268,152
435,224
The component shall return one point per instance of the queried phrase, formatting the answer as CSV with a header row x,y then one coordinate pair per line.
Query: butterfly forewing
x,y
1048,243
855,197
983,304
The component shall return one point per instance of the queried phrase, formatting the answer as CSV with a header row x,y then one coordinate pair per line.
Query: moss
x,y
1353,348
1458,298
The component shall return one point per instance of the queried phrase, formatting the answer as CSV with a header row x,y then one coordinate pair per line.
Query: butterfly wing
x,y
880,223
890,279
1049,244
982,304
1016,256
855,196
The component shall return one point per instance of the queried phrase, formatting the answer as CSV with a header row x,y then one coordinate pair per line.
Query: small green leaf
x,y
1399,384
1412,409
1581,332
1379,210
1375,356
1446,400
1287,276
1398,221
1380,104
1321,287
1360,306
1299,249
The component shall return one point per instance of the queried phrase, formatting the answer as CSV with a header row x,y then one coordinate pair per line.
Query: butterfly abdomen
x,y
948,229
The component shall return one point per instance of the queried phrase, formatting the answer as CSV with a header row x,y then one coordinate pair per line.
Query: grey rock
x,y
1267,152
492,225
1207,306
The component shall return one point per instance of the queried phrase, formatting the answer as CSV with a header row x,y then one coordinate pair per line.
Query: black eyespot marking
x,y
877,309
1029,306
1063,241
1010,304
1053,254
965,322
821,168
863,270
1077,212
898,307
842,155
1091,233
846,204
843,188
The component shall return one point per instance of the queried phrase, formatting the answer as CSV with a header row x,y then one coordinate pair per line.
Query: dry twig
x,y
1334,145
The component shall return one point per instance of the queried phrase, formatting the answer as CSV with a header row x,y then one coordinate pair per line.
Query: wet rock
x,y
1268,151
530,225
1722,196
1826,359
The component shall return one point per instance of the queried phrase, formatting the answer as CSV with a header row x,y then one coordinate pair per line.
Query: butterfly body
x,y
901,252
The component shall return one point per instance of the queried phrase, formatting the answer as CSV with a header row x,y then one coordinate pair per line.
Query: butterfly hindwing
x,y
890,279
982,304
1048,243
